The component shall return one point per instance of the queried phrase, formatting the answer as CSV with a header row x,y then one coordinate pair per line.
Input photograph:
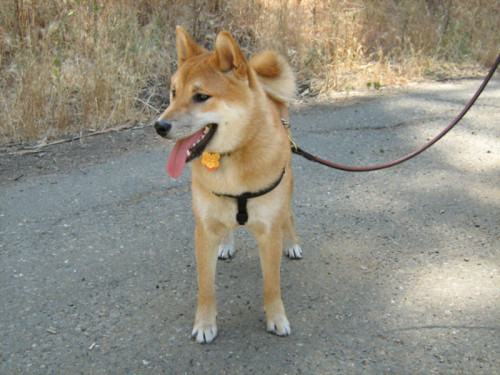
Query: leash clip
x,y
286,125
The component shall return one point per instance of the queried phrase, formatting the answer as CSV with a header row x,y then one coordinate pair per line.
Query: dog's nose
x,y
162,128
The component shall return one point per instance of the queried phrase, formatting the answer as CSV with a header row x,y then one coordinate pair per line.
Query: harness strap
x,y
242,199
242,214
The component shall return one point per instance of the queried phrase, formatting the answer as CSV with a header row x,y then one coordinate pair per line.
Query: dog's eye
x,y
200,98
173,93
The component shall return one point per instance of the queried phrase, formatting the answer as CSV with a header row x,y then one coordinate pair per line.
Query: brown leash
x,y
297,150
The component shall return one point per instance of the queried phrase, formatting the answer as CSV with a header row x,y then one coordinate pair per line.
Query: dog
x,y
226,116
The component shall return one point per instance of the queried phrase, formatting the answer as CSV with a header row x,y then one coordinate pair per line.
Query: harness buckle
x,y
242,218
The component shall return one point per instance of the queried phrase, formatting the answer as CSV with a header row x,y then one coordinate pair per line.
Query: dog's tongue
x,y
177,158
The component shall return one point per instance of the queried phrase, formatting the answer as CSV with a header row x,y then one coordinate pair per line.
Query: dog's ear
x,y
186,46
228,56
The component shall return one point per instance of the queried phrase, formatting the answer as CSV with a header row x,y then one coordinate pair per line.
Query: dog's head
x,y
210,97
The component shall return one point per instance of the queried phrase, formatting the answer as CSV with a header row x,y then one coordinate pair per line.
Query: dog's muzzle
x,y
162,128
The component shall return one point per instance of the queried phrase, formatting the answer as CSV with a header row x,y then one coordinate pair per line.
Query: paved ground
x,y
400,271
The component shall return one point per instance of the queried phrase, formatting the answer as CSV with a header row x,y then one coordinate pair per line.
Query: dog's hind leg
x,y
226,247
292,243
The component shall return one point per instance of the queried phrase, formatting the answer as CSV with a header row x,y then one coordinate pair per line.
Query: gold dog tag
x,y
211,161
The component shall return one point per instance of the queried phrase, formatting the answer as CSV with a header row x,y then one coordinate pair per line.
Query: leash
x,y
297,150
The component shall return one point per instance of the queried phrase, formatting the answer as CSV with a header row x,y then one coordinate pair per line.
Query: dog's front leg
x,y
270,248
205,328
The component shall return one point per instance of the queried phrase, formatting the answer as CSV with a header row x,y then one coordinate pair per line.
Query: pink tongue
x,y
177,158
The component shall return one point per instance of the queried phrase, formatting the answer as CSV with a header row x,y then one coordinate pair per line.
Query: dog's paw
x,y
204,333
226,251
279,325
293,251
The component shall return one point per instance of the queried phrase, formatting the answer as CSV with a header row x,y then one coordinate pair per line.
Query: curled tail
x,y
275,75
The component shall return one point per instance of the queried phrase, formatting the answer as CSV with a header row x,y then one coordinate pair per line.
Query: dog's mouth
x,y
199,145
188,149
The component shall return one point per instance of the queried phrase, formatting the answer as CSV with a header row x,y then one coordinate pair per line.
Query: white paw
x,y
293,251
226,251
204,332
279,325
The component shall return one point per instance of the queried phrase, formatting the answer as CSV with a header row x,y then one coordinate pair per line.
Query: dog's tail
x,y
275,74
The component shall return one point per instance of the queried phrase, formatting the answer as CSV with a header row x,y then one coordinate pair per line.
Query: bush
x,y
76,65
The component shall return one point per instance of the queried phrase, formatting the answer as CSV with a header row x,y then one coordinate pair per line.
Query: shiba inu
x,y
226,116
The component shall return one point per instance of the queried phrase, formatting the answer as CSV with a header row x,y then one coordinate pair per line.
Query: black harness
x,y
242,215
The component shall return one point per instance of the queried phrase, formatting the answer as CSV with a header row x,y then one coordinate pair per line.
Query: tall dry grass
x,y
72,65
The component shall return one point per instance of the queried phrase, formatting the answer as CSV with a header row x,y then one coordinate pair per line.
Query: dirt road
x,y
400,271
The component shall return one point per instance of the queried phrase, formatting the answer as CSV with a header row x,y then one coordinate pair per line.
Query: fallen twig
x,y
38,148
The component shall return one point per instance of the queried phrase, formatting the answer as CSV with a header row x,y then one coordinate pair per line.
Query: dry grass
x,y
72,65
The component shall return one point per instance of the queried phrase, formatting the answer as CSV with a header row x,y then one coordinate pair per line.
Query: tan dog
x,y
226,118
